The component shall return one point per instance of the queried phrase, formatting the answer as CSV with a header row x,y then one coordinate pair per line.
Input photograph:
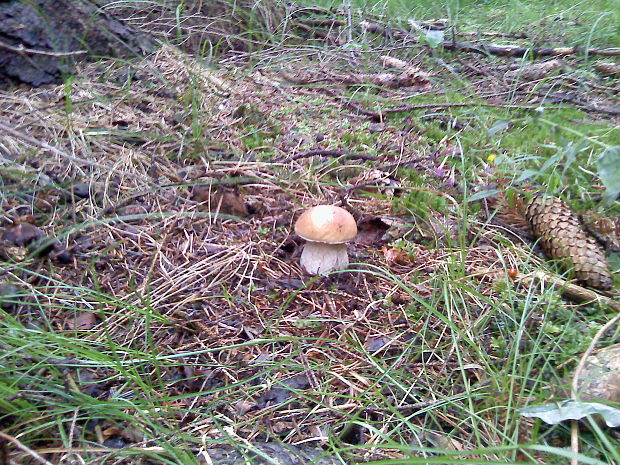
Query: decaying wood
x,y
607,68
535,71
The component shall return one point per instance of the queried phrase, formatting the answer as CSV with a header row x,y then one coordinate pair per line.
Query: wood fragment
x,y
607,68
568,290
535,71
30,51
516,51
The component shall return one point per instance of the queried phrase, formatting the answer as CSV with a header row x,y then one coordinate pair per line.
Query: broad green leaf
x,y
572,410
434,38
482,195
609,171
497,127
527,174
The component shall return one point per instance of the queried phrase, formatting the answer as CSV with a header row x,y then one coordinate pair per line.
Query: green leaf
x,y
497,127
434,38
572,410
609,171
527,174
482,194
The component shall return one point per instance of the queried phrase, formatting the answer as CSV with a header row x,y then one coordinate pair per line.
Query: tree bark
x,y
41,40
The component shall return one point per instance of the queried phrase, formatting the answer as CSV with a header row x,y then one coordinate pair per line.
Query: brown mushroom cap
x,y
326,224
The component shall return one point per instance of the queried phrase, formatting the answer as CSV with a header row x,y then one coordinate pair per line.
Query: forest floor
x,y
168,311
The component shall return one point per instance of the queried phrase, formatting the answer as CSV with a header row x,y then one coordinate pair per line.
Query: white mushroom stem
x,y
321,258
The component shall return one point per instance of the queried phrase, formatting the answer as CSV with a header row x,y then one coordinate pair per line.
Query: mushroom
x,y
326,230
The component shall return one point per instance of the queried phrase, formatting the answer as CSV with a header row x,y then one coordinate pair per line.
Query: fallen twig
x,y
330,153
569,290
31,51
17,443
489,49
615,110
379,115
515,51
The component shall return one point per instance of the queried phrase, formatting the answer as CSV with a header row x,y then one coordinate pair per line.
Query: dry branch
x,y
31,51
330,153
569,290
490,49
515,51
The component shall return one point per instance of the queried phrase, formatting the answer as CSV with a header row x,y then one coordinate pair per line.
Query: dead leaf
x,y
223,201
377,127
395,256
391,62
136,209
283,391
422,291
244,406
83,322
111,431
376,181
412,76
25,235
373,344
389,80
12,253
282,427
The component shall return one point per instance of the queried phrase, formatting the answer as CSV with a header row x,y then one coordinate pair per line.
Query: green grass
x,y
590,23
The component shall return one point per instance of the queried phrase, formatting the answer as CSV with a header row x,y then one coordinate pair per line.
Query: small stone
x,y
600,378
64,257
377,127
22,235
81,190
8,296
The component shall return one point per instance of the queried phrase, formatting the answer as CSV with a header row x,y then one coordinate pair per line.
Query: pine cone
x,y
563,238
